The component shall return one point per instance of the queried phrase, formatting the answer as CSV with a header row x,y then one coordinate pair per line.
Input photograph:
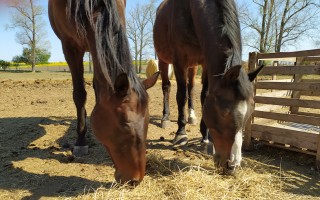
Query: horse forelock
x,y
110,39
231,29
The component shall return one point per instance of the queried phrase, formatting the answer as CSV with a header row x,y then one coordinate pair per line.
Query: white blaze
x,y
236,157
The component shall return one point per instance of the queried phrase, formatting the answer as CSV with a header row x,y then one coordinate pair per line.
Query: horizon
x,y
11,48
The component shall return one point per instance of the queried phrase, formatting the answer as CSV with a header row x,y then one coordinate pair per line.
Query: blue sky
x,y
10,48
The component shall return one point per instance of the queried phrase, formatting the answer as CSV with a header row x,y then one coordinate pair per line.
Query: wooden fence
x,y
287,102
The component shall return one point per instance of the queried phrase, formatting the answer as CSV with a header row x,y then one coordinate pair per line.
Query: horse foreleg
x,y
181,97
192,119
74,58
166,85
203,128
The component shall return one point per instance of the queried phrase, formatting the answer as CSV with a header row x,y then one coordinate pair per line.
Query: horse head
x,y
226,109
121,123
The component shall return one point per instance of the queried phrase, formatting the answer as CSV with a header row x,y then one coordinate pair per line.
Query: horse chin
x,y
131,183
229,169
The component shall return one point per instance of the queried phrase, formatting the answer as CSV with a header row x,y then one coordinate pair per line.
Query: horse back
x,y
174,32
65,28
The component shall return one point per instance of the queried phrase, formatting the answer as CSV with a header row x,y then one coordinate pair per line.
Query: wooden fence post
x,y
318,155
247,143
296,94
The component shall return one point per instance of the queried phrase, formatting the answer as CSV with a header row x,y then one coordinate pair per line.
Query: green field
x,y
27,75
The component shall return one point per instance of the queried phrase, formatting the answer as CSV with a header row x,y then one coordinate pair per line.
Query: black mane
x,y
111,40
231,29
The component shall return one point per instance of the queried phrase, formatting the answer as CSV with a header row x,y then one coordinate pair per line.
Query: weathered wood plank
x,y
296,86
318,154
301,119
310,93
285,136
288,102
296,93
309,114
289,148
268,108
314,52
288,70
279,93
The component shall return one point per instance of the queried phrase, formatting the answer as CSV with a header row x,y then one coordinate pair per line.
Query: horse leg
x,y
181,97
203,128
192,119
166,85
74,58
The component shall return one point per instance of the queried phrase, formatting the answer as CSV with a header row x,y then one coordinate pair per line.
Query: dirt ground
x,y
37,132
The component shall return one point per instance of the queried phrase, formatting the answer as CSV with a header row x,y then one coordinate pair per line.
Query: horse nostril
x,y
117,176
133,183
217,159
229,169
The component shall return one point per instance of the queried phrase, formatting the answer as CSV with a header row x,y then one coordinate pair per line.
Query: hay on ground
x,y
164,180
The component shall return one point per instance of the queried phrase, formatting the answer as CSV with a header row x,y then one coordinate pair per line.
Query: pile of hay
x,y
164,180
152,67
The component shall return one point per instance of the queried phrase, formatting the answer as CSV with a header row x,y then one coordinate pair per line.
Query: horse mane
x,y
112,45
231,29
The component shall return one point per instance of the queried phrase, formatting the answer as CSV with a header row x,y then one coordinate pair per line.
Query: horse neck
x,y
218,31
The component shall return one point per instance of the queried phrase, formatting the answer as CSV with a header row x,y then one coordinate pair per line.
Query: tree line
x,y
267,26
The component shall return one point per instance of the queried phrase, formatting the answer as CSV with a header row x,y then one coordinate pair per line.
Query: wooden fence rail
x,y
287,102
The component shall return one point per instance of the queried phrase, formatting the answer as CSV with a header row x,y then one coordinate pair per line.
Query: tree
x,y
88,55
27,18
4,64
277,23
139,30
42,56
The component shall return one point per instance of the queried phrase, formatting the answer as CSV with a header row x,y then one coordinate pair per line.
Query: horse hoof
x,y
79,151
210,148
180,140
204,141
192,120
203,147
165,124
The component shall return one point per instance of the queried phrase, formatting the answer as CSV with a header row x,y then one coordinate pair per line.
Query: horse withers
x,y
207,32
120,116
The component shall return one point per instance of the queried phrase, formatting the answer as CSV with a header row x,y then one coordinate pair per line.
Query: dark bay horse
x,y
120,117
207,32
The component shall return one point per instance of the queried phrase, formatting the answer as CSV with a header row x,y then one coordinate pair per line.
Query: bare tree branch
x,y
27,20
278,23
139,29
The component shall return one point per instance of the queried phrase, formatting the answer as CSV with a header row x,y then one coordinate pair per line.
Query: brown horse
x,y
120,117
207,32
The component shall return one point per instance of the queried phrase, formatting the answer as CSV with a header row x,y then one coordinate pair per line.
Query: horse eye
x,y
225,112
126,100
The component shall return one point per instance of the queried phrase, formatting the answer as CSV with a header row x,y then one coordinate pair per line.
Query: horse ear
x,y
233,73
122,84
254,74
149,82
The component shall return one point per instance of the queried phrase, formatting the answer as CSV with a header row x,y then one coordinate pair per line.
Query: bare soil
x,y
37,132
